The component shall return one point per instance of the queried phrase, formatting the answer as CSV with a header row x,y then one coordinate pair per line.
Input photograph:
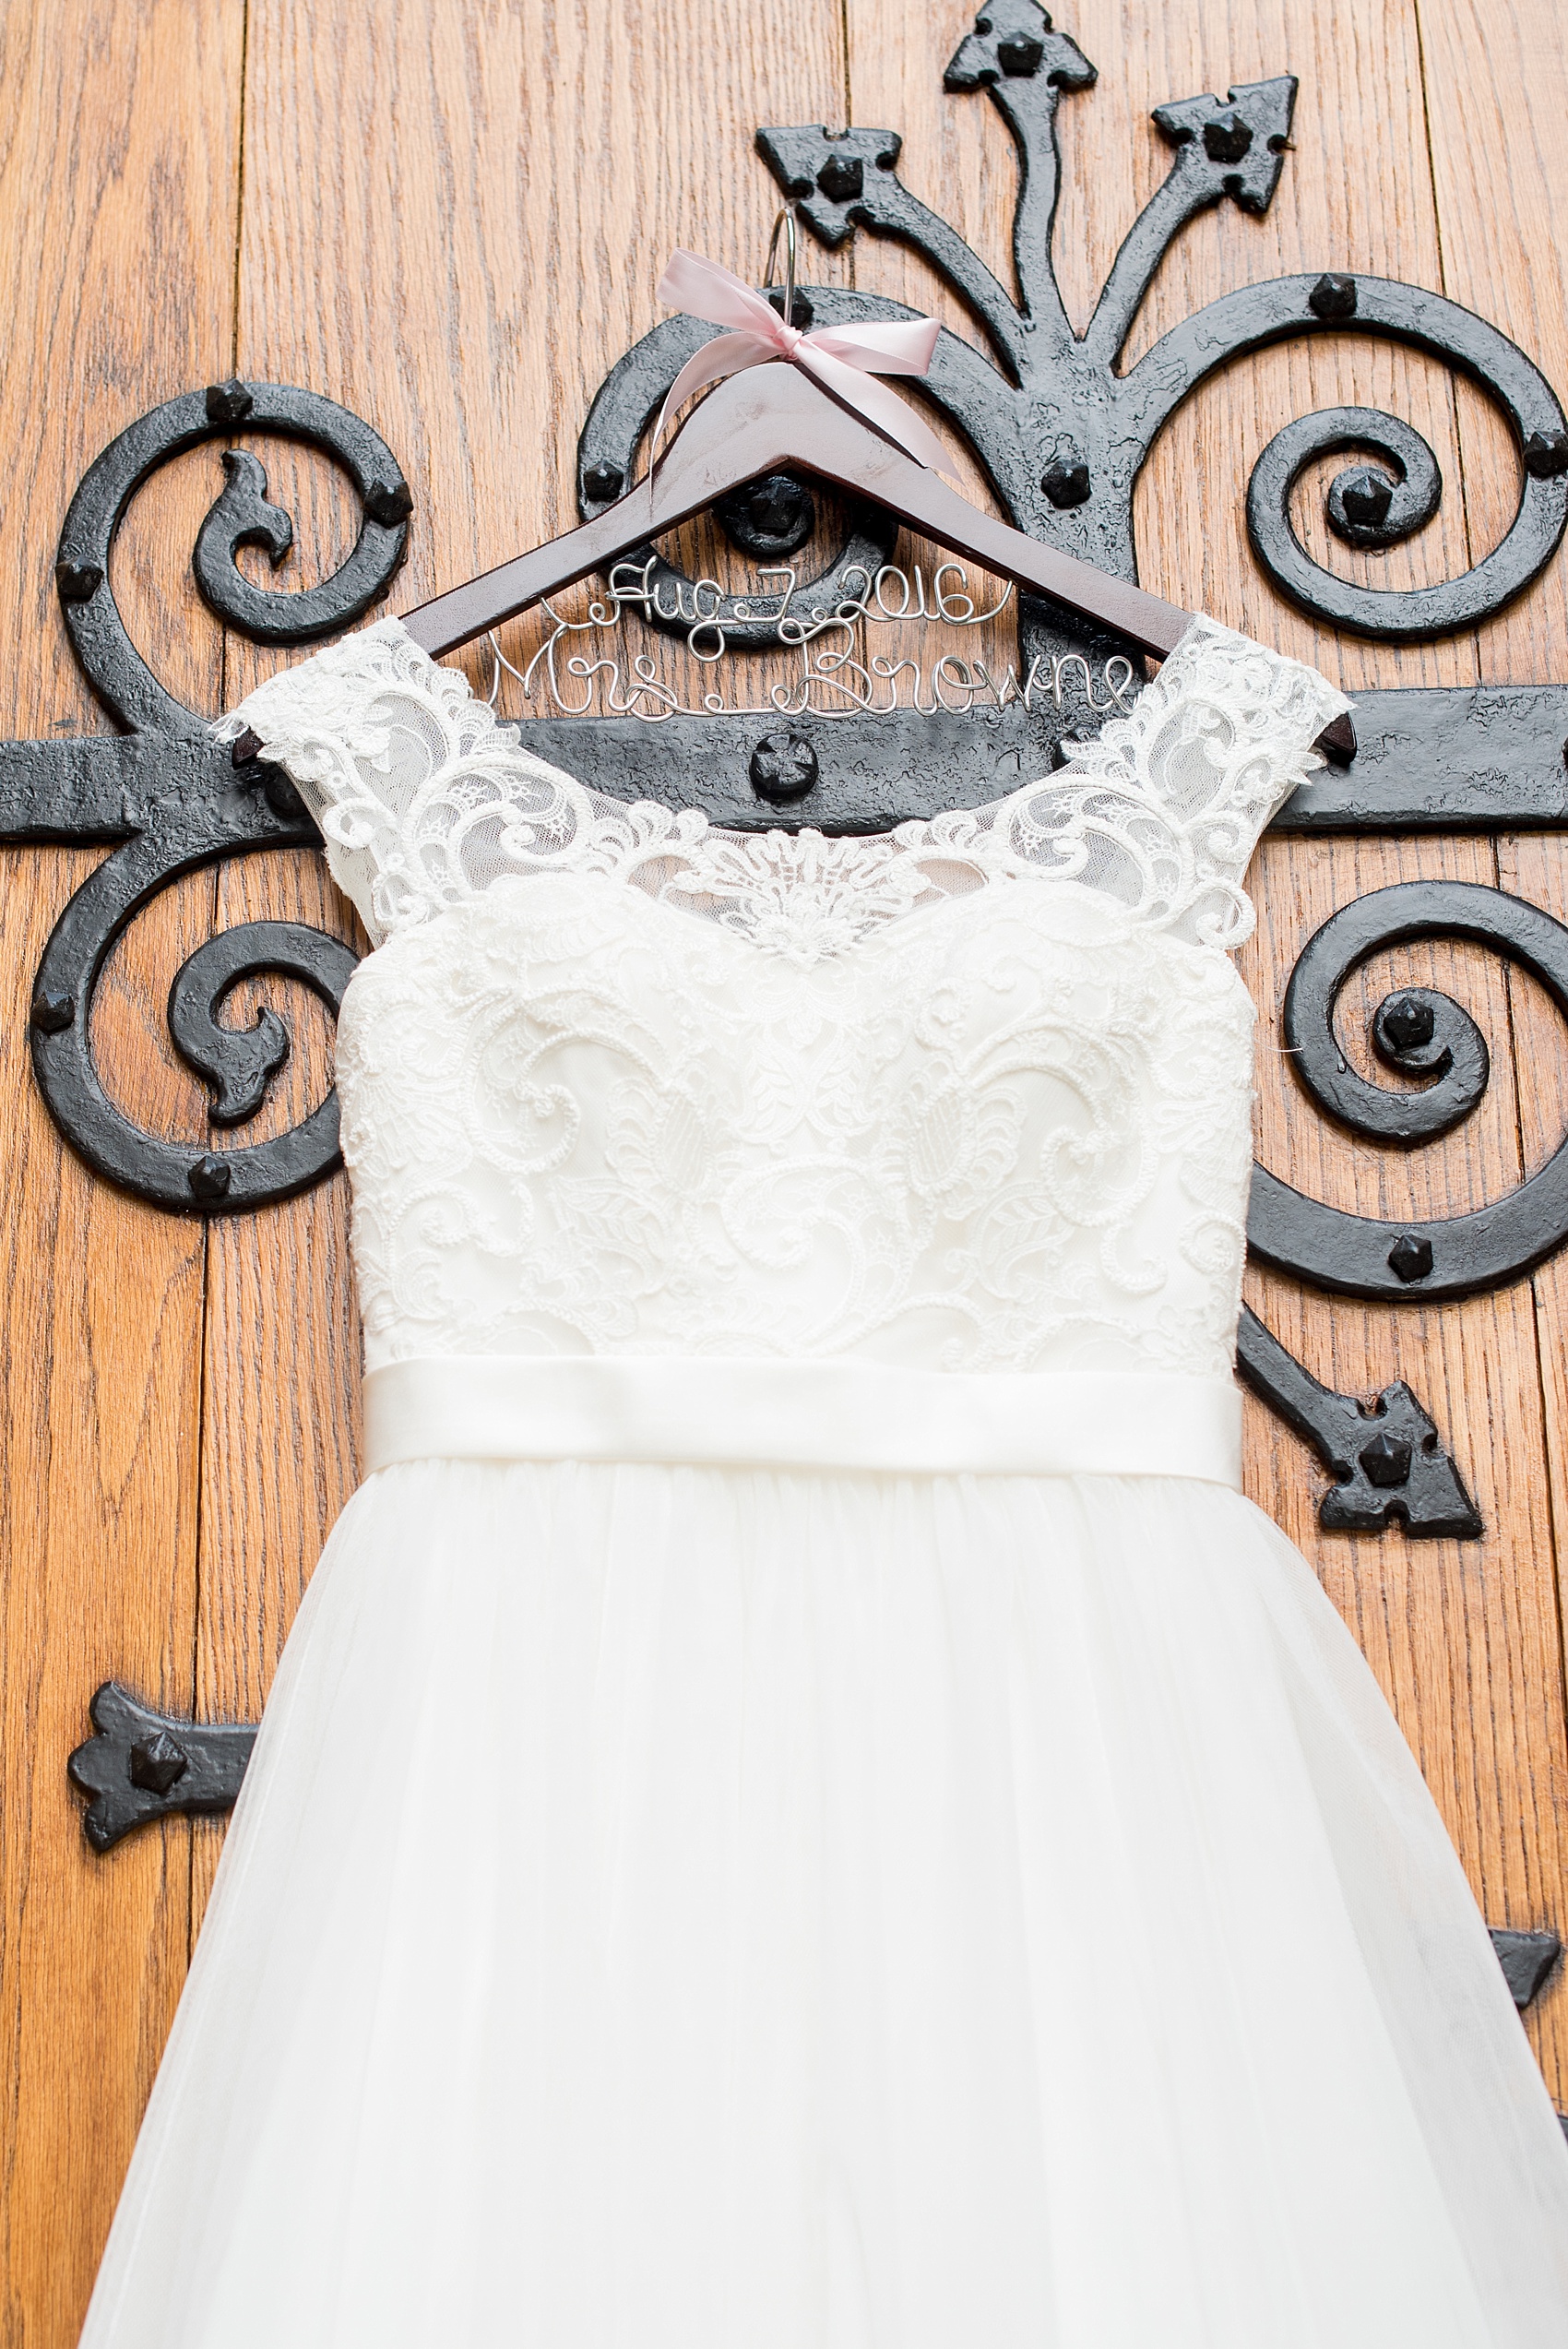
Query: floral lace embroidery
x,y
945,1116
1011,1135
425,799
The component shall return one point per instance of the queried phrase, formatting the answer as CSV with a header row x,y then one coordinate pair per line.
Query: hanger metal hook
x,y
785,220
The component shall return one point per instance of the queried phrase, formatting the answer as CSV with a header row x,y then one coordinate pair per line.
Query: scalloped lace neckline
x,y
425,798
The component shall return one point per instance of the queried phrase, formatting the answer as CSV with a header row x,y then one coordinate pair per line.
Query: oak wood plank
x,y
494,198
1501,174
118,200
1464,1638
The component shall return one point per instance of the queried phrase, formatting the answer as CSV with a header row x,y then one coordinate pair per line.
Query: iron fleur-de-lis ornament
x,y
1061,434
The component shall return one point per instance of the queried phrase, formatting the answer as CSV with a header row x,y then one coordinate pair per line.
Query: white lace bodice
x,y
972,1094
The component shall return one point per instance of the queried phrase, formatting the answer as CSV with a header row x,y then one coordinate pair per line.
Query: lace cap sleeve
x,y
422,796
1163,809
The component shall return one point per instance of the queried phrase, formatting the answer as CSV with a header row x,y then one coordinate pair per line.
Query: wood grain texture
x,y
453,220
498,194
118,212
1464,1638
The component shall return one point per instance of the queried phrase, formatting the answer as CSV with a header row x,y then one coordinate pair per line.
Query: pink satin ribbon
x,y
842,359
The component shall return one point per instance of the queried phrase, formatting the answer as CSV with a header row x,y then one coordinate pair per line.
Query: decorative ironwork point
x,y
784,766
1546,455
1410,1258
842,179
1332,297
1387,1461
227,403
389,503
602,481
78,583
209,1178
1406,1023
1066,481
157,1762
52,1013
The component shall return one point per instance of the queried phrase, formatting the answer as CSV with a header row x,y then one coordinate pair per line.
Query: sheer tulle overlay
x,y
692,1904
676,1905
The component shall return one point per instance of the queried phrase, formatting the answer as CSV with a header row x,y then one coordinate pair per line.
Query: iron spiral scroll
x,y
1062,437
168,799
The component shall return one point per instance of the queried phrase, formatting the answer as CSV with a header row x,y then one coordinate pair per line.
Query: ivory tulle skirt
x,y
680,1908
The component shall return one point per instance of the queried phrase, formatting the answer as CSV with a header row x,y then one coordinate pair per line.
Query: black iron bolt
x,y
1410,1258
76,582
1067,481
157,1762
1366,495
1387,1461
1019,52
1546,455
842,179
1227,140
281,795
1332,297
801,316
603,479
1408,1024
389,503
209,1178
53,1013
773,516
784,766
227,402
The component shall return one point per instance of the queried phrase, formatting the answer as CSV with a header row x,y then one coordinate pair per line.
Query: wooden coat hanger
x,y
775,418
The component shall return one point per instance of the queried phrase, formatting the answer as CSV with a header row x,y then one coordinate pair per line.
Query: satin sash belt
x,y
726,1414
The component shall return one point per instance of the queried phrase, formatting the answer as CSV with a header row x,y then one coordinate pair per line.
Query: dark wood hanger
x,y
770,419
767,420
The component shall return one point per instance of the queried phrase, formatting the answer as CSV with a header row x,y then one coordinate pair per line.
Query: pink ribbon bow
x,y
842,358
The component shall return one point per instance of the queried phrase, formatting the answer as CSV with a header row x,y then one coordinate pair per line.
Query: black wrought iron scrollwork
x,y
167,799
1062,437
1420,1032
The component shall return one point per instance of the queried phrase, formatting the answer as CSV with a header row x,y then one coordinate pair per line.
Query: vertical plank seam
x,y
1510,977
204,1322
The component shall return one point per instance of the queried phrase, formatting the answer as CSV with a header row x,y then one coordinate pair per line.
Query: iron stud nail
x,y
389,503
228,402
1019,52
1408,1024
842,179
784,766
1066,481
602,481
1366,495
1546,455
78,583
51,1012
1410,1258
157,1762
209,1178
1332,297
1387,1461
1227,140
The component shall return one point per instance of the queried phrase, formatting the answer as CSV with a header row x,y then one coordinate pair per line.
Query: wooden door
x,y
452,220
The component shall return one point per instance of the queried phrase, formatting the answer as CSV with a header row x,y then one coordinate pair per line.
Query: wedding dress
x,y
802,1809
